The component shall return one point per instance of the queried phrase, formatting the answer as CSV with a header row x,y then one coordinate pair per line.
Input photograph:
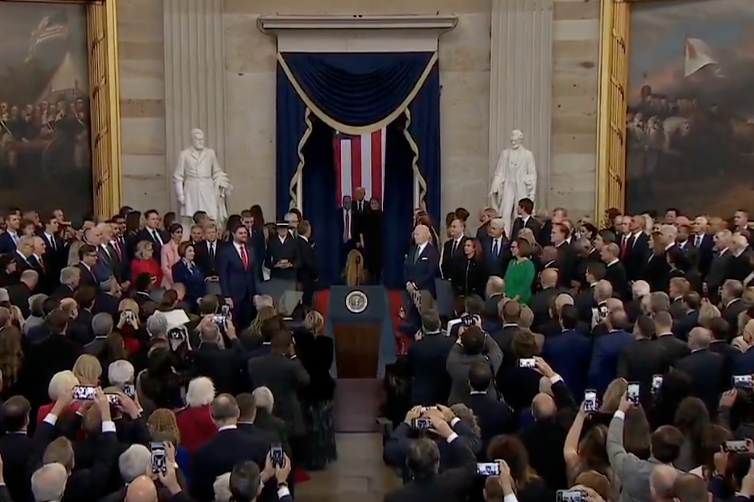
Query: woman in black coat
x,y
470,276
316,353
681,265
371,240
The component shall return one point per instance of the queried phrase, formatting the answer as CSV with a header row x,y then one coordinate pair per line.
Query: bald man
x,y
705,368
607,348
141,489
541,301
661,483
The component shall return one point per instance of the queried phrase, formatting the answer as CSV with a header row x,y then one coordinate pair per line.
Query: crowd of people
x,y
581,363
141,365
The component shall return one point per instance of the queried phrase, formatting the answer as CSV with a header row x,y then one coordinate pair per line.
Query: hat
x,y
282,224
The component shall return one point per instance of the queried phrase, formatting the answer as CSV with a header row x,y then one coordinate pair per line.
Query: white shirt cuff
x,y
51,419
452,438
283,491
620,415
511,497
108,426
454,421
553,380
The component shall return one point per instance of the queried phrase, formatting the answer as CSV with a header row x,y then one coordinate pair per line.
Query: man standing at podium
x,y
420,268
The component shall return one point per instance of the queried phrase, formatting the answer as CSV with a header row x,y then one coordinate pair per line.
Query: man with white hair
x,y
102,326
718,269
21,292
69,281
704,367
133,462
48,483
420,269
221,487
157,326
615,272
740,261
496,248
120,373
733,305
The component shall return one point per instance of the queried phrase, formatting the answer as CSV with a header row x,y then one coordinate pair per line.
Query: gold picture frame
x,y
104,98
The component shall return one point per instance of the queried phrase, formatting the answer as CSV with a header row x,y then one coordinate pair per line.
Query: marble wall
x,y
248,153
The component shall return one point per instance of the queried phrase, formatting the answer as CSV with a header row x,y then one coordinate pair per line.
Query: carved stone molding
x,y
521,82
194,77
382,33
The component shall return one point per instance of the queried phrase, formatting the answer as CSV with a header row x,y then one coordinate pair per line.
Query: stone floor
x,y
359,473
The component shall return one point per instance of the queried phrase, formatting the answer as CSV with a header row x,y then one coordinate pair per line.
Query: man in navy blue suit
x,y
237,268
569,351
420,269
607,348
9,239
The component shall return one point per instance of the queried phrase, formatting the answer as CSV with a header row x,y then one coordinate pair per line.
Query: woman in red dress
x,y
145,262
128,324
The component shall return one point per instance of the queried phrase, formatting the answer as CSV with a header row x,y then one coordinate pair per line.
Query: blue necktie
x,y
495,249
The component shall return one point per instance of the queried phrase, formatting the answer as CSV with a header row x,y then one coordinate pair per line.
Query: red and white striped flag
x,y
360,162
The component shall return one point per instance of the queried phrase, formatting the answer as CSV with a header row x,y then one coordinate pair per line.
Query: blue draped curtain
x,y
356,93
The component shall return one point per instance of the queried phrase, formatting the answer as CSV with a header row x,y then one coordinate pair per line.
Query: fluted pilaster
x,y
521,81
194,76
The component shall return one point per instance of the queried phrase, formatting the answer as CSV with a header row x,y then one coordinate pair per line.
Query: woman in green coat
x,y
520,273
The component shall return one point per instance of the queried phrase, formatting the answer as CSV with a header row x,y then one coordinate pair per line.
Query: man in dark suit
x,y
586,254
525,219
511,315
731,293
238,276
566,255
674,348
640,361
559,215
452,250
569,352
227,448
87,261
718,270
585,301
705,369
607,348
347,229
634,247
429,386
282,372
55,256
657,269
615,273
9,239
540,303
282,254
21,292
422,263
495,416
703,243
215,362
423,462
16,448
307,262
69,281
207,252
151,232
497,248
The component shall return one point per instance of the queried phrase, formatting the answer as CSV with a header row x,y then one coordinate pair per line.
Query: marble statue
x,y
515,178
200,183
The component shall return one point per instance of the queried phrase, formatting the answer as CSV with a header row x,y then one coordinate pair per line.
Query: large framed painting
x,y
59,106
676,125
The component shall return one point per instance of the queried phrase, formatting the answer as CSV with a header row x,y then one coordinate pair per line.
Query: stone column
x,y
521,82
194,78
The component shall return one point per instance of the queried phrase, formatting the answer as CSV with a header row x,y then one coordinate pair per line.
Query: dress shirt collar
x,y
734,300
613,262
420,249
306,239
49,237
86,266
683,243
475,392
282,238
525,218
636,234
669,246
238,246
722,252
510,325
667,333
227,428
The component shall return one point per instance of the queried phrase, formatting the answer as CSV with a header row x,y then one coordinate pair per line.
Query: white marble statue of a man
x,y
200,183
515,178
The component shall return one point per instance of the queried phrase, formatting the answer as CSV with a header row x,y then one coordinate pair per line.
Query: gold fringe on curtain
x,y
354,130
415,161
297,177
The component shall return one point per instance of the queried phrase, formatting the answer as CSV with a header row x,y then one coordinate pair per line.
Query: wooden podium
x,y
357,319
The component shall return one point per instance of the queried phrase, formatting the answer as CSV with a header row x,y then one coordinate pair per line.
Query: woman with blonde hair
x,y
707,312
11,360
128,325
263,314
316,352
355,272
88,370
145,262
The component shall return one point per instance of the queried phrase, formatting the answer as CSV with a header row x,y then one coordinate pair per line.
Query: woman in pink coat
x,y
170,255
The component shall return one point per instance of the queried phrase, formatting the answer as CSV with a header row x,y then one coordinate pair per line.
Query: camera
x,y
176,333
527,362
220,320
83,392
632,392
467,320
590,401
129,390
488,469
129,315
225,311
742,382
276,455
159,459
656,384
421,424
113,399
570,496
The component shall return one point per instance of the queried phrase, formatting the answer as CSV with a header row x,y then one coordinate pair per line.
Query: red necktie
x,y
624,247
116,246
244,258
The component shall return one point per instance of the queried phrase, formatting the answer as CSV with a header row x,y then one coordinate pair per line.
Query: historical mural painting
x,y
45,149
690,122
